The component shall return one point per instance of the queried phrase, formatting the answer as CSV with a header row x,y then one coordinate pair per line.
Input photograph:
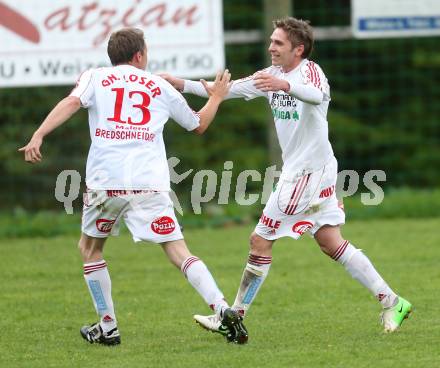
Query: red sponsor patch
x,y
163,225
104,225
301,227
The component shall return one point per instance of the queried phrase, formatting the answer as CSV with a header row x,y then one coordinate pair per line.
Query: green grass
x,y
309,312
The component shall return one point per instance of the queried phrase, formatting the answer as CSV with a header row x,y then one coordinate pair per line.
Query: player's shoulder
x,y
312,73
155,84
158,80
166,87
85,77
97,70
310,69
87,73
97,73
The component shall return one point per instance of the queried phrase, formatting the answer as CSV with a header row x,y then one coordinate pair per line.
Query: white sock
x,y
100,287
360,268
201,279
254,274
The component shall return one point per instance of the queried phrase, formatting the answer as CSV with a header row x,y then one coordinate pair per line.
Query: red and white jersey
x,y
128,108
300,116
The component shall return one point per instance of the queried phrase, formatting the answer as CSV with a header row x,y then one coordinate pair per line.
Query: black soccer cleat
x,y
237,332
94,334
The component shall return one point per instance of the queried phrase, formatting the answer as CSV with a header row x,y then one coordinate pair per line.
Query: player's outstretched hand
x,y
221,85
267,82
177,83
31,151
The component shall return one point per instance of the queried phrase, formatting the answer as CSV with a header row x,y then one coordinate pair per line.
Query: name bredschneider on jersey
x,y
209,186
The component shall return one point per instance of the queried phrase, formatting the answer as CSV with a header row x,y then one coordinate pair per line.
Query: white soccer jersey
x,y
301,127
128,108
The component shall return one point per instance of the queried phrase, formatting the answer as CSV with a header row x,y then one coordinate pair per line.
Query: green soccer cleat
x,y
393,317
230,326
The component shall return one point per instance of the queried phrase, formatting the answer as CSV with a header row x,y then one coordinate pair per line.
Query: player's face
x,y
282,52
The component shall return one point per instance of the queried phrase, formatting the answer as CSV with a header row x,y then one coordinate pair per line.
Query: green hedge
x,y
398,203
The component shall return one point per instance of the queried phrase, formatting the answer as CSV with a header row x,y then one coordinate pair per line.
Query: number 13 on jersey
x,y
132,108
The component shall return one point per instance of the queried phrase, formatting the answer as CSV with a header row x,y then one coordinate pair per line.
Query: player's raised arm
x,y
198,122
217,93
59,114
240,88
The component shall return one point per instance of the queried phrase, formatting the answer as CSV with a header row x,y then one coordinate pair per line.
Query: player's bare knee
x,y
330,245
85,250
329,238
90,248
326,249
82,246
177,252
259,245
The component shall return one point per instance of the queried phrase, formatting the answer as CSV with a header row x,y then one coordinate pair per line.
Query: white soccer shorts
x,y
149,215
303,204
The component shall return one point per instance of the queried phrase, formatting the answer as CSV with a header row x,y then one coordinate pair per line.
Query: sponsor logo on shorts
x,y
104,225
163,225
273,224
301,227
327,192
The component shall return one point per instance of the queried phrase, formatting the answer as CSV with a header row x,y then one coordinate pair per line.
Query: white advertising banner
x,y
46,42
395,18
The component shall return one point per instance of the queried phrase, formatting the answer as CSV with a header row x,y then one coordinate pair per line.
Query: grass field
x,y
309,313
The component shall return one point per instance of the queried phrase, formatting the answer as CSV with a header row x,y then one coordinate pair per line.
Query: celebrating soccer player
x,y
127,174
304,200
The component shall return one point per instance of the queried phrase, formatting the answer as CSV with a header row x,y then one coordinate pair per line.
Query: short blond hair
x,y
299,32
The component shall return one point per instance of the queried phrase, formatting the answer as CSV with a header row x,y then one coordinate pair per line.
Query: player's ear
x,y
134,58
299,50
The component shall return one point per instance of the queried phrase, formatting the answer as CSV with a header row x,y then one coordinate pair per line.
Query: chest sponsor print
x,y
284,107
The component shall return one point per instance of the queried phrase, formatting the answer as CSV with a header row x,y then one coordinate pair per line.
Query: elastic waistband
x,y
119,192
